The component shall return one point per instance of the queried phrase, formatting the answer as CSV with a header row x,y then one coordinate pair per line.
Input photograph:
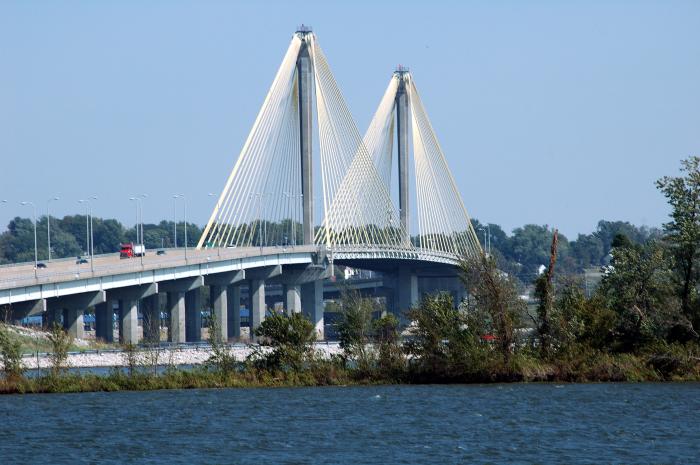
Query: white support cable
x,y
435,179
360,209
225,197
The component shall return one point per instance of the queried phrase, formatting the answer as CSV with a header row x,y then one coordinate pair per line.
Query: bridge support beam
x,y
256,293
73,322
104,321
20,310
129,298
222,289
176,310
406,291
257,307
49,317
233,315
129,321
193,315
219,300
73,307
312,305
150,311
292,297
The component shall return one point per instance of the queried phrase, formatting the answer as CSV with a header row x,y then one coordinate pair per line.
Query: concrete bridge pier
x,y
256,294
73,308
49,317
104,321
193,315
257,308
312,305
129,298
19,310
128,321
176,312
176,291
233,311
219,302
150,311
73,322
406,291
223,287
292,298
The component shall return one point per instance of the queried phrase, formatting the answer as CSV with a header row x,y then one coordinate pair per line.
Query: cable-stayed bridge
x,y
285,218
270,192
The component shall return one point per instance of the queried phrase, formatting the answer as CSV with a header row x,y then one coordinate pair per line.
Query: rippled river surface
x,y
517,423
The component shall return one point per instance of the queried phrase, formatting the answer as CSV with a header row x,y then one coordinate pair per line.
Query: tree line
x,y
523,252
520,253
69,237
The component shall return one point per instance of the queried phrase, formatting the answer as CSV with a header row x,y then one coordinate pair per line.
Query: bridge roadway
x,y
63,290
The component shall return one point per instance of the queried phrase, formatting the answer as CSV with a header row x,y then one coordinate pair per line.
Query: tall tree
x,y
683,231
544,291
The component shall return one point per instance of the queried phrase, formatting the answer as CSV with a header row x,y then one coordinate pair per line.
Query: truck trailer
x,y
130,250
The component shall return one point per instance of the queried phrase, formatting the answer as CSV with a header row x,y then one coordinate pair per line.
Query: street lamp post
x,y
48,223
36,254
139,222
259,228
90,235
87,226
175,220
184,216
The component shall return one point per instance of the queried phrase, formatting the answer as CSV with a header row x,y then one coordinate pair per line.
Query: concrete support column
x,y
312,305
256,291
193,315
292,296
406,291
104,321
176,309
73,323
233,314
49,317
219,300
150,310
128,321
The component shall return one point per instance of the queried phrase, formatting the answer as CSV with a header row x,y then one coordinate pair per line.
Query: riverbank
x,y
326,368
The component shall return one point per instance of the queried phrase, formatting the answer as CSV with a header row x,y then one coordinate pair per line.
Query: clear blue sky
x,y
549,112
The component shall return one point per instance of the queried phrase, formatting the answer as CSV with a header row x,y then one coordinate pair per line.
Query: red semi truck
x,y
130,250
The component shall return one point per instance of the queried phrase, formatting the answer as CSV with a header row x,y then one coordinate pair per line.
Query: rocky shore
x,y
180,355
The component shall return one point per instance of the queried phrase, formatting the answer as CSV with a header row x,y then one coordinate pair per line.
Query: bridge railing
x,y
194,257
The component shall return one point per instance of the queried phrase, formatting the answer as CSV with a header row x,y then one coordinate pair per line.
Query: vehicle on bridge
x,y
129,250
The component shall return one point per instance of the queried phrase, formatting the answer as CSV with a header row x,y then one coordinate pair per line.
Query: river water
x,y
509,423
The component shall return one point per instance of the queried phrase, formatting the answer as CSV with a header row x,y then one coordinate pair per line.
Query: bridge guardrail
x,y
196,257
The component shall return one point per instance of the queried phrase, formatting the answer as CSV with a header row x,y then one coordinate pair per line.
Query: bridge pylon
x,y
305,84
402,125
443,224
269,200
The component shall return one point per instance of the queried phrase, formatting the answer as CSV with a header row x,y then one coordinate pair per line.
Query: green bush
x,y
291,339
10,354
